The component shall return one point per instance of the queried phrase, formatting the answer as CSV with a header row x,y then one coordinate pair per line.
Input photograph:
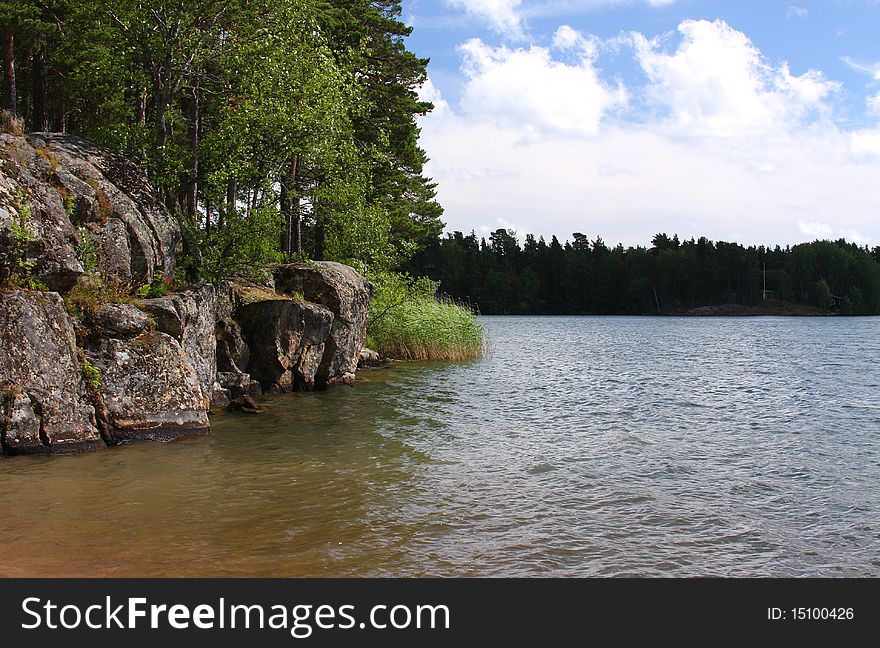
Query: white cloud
x,y
627,182
527,89
869,68
429,92
531,143
716,83
797,12
823,231
503,16
567,38
660,3
865,144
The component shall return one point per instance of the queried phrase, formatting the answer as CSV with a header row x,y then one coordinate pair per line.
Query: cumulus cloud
x,y
716,83
567,38
526,88
823,231
537,140
503,16
866,143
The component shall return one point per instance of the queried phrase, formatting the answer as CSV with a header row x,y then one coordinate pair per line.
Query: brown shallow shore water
x,y
578,447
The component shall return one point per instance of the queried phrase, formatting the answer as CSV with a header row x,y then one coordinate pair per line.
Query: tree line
x,y
579,277
273,128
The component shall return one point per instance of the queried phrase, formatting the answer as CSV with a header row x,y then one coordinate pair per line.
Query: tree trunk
x,y
231,198
161,127
8,42
320,230
297,228
40,114
288,198
192,189
285,212
141,107
59,121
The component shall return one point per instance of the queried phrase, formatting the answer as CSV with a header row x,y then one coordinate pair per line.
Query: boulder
x,y
347,295
190,317
369,358
44,403
233,385
286,339
122,320
149,389
73,196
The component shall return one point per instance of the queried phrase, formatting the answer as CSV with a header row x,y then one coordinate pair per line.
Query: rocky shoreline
x,y
127,367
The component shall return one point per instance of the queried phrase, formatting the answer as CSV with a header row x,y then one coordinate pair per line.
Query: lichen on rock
x,y
44,404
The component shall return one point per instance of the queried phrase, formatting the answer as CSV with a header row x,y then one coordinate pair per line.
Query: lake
x,y
582,446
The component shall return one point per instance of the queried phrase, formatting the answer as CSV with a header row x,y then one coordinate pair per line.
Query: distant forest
x,y
582,277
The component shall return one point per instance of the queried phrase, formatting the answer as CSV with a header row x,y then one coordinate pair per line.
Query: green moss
x,y
91,374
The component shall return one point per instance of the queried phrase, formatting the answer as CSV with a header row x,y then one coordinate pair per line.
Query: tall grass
x,y
407,323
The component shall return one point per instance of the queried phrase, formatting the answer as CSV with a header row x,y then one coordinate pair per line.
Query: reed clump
x,y
408,323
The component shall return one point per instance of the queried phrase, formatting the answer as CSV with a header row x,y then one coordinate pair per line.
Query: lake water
x,y
578,447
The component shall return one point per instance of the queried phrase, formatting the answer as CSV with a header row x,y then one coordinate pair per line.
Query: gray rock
x,y
123,320
72,188
347,294
369,358
286,341
44,404
233,354
190,317
149,388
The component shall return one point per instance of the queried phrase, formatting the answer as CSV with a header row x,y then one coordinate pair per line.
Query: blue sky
x,y
750,121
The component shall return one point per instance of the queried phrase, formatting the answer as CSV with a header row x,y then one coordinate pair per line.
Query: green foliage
x,y
153,290
23,273
246,247
503,276
228,102
407,323
69,202
86,251
91,374
823,293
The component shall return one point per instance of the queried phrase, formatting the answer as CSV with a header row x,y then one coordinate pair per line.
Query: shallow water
x,y
579,447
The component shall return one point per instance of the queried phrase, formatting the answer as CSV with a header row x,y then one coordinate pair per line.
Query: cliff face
x,y
74,197
73,215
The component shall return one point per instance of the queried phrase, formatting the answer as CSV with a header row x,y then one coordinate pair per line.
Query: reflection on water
x,y
580,446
